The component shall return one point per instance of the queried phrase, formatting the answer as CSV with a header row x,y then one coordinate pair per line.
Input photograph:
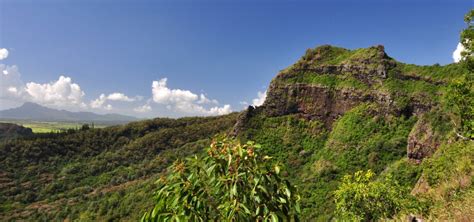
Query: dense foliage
x,y
96,174
461,94
467,36
232,182
361,198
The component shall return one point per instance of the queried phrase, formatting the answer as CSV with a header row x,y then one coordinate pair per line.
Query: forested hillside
x,y
337,111
96,174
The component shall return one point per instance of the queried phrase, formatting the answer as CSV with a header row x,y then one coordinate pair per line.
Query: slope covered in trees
x,y
96,174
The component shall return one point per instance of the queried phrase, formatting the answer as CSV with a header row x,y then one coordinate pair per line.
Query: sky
x,y
196,58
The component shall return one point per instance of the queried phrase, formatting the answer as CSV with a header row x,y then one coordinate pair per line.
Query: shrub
x,y
361,198
233,182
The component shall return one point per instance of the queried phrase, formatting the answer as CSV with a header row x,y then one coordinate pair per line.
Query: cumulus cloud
x,y
204,100
65,93
220,110
163,95
120,97
100,102
143,109
261,96
185,101
3,53
457,53
61,93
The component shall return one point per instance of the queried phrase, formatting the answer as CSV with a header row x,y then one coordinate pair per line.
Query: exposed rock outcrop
x,y
422,140
318,86
312,101
242,120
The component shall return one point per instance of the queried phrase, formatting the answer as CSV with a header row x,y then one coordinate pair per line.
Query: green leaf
x,y
274,217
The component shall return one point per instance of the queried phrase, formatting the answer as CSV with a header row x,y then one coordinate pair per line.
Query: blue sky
x,y
226,50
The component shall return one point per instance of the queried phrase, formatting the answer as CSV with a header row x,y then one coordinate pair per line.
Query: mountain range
x,y
36,112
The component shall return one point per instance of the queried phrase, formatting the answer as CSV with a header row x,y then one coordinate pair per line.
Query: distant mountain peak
x,y
34,111
31,104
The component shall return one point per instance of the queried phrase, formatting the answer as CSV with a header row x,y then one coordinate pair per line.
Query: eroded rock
x,y
422,140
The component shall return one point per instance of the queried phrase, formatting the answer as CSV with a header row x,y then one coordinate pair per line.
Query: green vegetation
x,y
98,174
328,80
330,55
51,127
231,183
316,159
460,99
467,35
361,198
433,73
461,93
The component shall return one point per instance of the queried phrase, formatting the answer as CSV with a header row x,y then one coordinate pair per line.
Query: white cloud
x,y
226,109
62,93
261,96
13,89
66,94
119,97
99,103
457,53
204,100
3,53
143,109
185,101
163,95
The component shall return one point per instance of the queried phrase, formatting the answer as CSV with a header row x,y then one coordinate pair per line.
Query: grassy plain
x,y
48,127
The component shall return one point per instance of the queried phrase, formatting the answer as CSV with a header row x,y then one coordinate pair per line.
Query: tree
x,y
361,198
85,127
461,92
232,182
467,35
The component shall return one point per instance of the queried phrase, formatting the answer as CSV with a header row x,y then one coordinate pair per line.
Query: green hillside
x,y
96,174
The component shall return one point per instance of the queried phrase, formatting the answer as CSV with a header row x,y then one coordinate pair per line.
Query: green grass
x,y
328,80
48,127
435,72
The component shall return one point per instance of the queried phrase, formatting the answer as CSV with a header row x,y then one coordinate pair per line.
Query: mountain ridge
x,y
34,111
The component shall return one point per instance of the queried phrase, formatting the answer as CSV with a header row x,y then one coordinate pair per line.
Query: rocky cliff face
x,y
329,81
312,101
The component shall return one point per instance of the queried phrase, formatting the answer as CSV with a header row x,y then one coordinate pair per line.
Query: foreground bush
x,y
233,182
361,198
